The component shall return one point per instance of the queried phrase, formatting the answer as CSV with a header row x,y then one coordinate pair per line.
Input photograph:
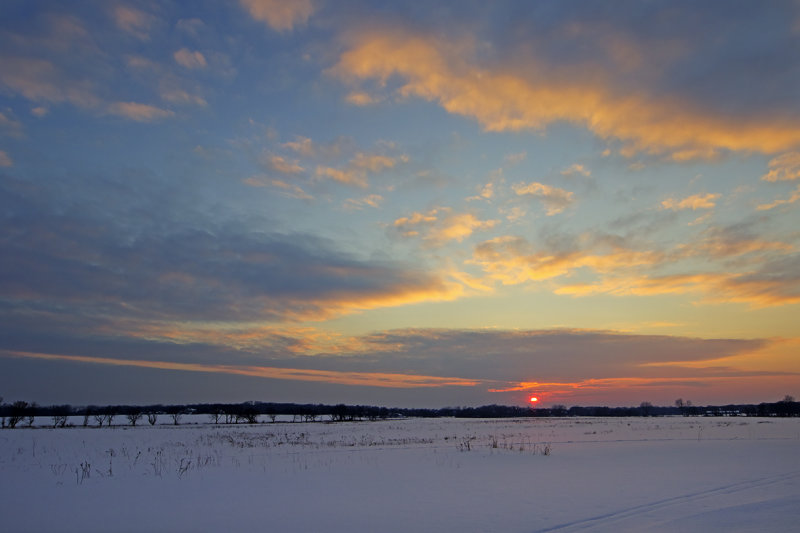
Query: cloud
x,y
554,199
281,165
357,170
362,379
280,15
118,267
785,167
5,160
794,197
40,80
139,112
302,146
133,21
287,189
189,59
486,192
176,95
361,98
512,260
10,126
502,98
442,225
576,169
694,202
372,200
773,284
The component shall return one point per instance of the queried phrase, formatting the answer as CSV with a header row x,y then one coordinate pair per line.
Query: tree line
x,y
24,413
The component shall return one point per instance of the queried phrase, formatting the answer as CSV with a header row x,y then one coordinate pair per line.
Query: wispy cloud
x,y
554,199
441,225
280,15
362,379
371,200
139,112
793,197
785,167
694,202
358,169
282,165
5,159
576,169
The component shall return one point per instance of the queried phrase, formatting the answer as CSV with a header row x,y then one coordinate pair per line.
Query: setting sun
x,y
534,399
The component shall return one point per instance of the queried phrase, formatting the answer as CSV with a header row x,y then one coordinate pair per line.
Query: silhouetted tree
x,y
134,415
17,412
31,413
152,417
646,408
176,413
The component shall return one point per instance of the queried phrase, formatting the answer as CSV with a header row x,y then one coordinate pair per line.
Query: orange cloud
x,y
512,260
753,289
794,197
785,167
363,379
279,14
553,198
694,202
439,226
358,168
502,99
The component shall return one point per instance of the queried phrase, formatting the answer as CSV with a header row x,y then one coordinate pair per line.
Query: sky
x,y
399,203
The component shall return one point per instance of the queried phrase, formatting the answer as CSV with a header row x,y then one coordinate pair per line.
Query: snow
x,y
573,474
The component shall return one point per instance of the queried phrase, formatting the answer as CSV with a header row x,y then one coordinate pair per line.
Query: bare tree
x,y
31,414
152,418
176,413
17,412
99,418
133,416
646,408
111,411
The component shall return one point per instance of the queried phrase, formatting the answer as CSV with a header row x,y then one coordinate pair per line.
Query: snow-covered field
x,y
629,474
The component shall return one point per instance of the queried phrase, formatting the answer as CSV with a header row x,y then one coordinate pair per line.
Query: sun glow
x,y
534,399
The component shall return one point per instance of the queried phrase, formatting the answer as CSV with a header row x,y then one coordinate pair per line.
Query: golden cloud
x,y
755,290
694,202
554,199
512,260
359,167
794,197
785,167
502,99
439,226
